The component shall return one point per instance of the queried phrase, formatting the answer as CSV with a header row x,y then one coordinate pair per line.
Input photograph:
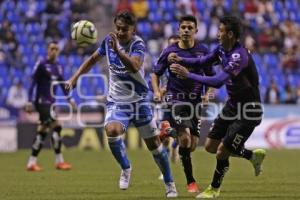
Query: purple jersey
x,y
177,88
44,73
238,63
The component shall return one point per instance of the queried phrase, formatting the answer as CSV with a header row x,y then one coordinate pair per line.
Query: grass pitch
x,y
95,176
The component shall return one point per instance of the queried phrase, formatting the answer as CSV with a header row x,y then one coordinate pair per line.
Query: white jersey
x,y
125,86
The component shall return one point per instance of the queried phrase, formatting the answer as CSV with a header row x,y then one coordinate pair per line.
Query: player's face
x,y
124,31
223,35
187,30
53,51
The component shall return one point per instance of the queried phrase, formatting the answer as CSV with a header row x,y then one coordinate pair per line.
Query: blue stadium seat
x,y
200,5
155,16
22,6
12,16
278,6
41,5
168,17
271,60
167,5
145,29
153,5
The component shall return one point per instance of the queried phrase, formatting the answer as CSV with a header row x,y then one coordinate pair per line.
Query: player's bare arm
x,y
132,63
84,68
157,96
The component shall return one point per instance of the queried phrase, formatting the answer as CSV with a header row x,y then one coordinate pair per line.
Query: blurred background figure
x,y
17,98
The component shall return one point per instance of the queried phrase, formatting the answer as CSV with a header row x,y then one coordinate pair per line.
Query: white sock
x,y
32,161
59,158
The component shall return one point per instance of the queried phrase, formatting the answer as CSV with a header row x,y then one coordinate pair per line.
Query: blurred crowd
x,y
271,32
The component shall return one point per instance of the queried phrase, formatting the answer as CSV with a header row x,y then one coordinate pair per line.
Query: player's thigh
x,y
153,142
220,125
194,142
211,145
45,114
181,115
55,124
184,137
116,119
236,136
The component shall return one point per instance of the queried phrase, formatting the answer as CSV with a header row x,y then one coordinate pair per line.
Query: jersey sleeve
x,y
162,63
34,78
237,62
206,60
138,49
102,49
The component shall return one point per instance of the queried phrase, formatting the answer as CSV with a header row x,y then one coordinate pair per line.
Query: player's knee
x,y
210,148
185,141
194,143
113,131
57,129
42,128
152,143
222,152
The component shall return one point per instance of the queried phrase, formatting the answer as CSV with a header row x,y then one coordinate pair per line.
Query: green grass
x,y
95,176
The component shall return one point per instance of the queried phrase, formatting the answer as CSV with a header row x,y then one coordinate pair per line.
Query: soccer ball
x,y
84,33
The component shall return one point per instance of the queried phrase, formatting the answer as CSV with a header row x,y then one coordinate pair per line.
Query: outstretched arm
x,y
213,81
84,68
208,59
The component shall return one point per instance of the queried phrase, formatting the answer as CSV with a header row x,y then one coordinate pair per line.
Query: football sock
x,y
160,156
38,143
246,153
59,158
221,169
174,144
185,157
32,160
56,140
118,149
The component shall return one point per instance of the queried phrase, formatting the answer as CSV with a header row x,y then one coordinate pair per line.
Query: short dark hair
x,y
127,17
189,18
233,24
52,42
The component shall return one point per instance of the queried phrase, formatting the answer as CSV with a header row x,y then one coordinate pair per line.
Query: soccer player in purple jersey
x,y
44,73
183,97
242,111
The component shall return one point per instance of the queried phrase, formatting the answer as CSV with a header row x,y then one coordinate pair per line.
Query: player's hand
x,y
181,71
174,58
157,97
28,107
70,84
113,42
163,91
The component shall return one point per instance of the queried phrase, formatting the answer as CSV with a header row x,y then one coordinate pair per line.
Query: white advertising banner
x,y
8,139
276,133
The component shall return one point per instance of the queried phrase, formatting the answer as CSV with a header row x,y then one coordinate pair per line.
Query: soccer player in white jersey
x,y
125,51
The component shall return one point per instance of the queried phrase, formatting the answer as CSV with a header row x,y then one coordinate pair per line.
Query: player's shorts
x,y
235,130
45,113
184,115
138,113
